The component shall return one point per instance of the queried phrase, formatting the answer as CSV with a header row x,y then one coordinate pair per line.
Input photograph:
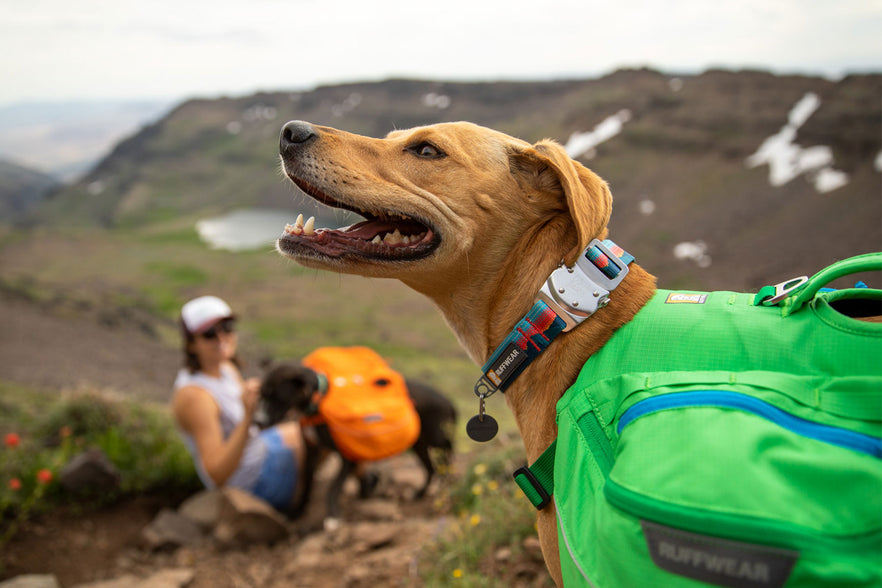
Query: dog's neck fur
x,y
483,312
533,396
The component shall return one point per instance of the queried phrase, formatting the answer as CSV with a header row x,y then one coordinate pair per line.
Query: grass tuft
x,y
487,539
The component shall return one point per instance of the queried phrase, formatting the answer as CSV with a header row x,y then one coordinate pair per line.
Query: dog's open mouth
x,y
383,235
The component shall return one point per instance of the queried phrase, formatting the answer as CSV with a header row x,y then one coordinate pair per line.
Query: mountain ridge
x,y
22,189
677,167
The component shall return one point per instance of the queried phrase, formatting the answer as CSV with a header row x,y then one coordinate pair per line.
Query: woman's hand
x,y
250,396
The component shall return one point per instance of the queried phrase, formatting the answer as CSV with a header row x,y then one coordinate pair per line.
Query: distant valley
x,y
64,139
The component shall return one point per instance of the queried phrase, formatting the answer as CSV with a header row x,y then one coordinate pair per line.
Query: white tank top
x,y
227,393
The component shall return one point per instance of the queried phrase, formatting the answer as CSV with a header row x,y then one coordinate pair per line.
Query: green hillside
x,y
119,250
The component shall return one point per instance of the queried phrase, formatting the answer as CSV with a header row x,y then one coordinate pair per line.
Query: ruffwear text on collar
x,y
569,296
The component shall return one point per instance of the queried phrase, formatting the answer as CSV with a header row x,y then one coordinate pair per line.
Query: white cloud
x,y
106,48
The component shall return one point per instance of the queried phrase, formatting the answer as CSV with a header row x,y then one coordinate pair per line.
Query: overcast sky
x,y
87,49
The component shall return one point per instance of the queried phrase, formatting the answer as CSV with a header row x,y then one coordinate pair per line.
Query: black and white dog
x,y
287,392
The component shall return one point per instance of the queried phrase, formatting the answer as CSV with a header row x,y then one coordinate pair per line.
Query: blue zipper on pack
x,y
721,399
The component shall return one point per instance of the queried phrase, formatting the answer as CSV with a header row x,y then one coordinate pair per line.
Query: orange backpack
x,y
367,408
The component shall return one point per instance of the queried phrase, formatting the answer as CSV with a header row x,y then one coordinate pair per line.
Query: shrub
x,y
489,515
140,440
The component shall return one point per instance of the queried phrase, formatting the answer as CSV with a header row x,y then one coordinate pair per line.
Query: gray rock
x,y
309,553
372,536
167,578
203,508
127,581
244,520
170,530
89,472
377,509
31,581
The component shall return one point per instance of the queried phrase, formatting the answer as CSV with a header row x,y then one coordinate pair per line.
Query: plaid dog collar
x,y
569,296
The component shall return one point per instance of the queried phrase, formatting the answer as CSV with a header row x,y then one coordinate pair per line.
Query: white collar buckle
x,y
575,293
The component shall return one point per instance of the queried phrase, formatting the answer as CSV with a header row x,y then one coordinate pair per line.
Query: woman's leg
x,y
282,473
292,438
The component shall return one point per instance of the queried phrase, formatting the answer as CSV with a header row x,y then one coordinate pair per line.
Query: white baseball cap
x,y
200,313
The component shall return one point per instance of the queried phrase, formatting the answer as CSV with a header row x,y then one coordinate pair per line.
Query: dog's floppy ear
x,y
587,196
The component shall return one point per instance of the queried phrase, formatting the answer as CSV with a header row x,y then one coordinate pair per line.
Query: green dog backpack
x,y
726,439
366,406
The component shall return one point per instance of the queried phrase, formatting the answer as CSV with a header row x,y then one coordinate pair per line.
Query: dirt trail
x,y
378,546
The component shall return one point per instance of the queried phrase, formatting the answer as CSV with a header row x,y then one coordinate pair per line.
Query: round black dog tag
x,y
482,430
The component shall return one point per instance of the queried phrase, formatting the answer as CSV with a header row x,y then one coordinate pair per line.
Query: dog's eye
x,y
426,150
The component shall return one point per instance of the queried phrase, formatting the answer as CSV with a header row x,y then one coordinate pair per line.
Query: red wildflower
x,y
15,484
44,476
12,440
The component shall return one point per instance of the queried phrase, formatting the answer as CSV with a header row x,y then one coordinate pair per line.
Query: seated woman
x,y
213,407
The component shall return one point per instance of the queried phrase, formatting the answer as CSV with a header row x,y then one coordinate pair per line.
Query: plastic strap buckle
x,y
535,491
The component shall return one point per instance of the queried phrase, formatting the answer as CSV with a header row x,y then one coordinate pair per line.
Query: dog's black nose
x,y
296,133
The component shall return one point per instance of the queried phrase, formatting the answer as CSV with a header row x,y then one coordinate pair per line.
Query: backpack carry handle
x,y
804,294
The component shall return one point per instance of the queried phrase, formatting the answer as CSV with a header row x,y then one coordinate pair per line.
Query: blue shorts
x,y
278,475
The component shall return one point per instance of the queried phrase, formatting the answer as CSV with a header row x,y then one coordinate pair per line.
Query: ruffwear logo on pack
x,y
683,298
718,561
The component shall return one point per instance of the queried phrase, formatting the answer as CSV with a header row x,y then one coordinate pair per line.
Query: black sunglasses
x,y
225,326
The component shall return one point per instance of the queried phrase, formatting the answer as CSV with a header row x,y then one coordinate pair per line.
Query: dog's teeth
x,y
406,239
309,227
376,240
296,228
393,238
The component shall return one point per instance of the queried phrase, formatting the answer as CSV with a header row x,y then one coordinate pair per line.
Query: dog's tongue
x,y
367,230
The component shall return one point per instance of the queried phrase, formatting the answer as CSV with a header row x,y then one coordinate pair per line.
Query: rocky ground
x,y
380,544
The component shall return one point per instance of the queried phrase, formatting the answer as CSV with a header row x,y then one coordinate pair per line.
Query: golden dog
x,y
476,220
